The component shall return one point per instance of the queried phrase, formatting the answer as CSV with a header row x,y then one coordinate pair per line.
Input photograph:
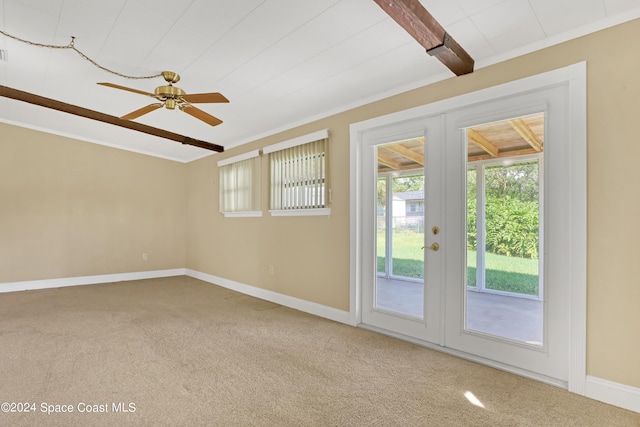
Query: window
x,y
240,185
299,175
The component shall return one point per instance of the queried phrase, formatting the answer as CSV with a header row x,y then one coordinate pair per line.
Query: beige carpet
x,y
185,353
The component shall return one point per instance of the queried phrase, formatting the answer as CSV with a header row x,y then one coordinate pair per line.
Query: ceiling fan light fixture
x,y
170,104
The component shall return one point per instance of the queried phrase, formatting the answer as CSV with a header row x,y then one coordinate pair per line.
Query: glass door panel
x,y
504,285
400,228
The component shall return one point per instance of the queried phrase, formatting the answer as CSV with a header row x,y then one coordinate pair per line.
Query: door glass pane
x,y
400,227
511,218
504,286
408,227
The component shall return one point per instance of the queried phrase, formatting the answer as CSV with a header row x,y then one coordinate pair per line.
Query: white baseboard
x,y
316,309
87,280
613,393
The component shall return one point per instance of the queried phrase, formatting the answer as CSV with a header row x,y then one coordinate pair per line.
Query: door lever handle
x,y
433,247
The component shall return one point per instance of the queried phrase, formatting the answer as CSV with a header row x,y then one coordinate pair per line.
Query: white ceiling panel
x,y
614,7
280,62
42,18
327,30
89,22
557,17
509,25
446,13
471,7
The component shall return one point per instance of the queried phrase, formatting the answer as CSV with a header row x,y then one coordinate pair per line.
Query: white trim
x,y
240,157
316,309
310,137
242,214
87,280
578,122
613,393
301,212
355,234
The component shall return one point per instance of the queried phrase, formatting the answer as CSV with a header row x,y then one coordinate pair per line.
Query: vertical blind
x,y
299,176
240,185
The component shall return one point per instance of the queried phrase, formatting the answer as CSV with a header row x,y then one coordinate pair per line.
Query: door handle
x,y
434,247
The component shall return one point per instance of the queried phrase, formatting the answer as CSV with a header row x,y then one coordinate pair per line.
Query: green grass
x,y
503,273
407,253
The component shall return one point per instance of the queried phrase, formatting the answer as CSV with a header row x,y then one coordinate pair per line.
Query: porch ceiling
x,y
508,138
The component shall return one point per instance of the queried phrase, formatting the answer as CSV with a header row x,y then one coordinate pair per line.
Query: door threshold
x,y
470,357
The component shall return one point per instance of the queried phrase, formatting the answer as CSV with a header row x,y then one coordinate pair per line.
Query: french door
x,y
405,263
508,230
495,234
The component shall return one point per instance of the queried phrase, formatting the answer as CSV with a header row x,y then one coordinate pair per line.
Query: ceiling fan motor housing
x,y
169,94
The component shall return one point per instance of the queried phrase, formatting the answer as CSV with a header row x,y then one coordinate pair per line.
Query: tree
x,y
517,181
511,209
402,184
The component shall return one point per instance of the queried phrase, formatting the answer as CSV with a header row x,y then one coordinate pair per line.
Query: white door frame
x,y
575,77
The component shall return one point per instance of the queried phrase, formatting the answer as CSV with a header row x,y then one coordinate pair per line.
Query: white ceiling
x,y
279,62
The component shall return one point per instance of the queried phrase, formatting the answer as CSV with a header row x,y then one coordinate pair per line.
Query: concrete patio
x,y
509,317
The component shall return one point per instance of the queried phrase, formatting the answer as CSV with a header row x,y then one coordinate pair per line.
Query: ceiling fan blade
x,y
139,112
126,88
205,98
201,115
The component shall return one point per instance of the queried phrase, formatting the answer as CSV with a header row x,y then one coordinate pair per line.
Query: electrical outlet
x,y
145,256
272,270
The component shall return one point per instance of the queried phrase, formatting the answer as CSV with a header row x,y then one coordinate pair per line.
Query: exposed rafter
x,y
30,98
482,142
383,159
405,152
424,28
527,134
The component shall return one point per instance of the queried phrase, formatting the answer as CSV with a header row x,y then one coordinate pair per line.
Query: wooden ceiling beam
x,y
384,160
407,153
41,101
520,126
482,142
423,27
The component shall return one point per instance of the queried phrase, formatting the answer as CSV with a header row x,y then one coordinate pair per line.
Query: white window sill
x,y
242,214
302,212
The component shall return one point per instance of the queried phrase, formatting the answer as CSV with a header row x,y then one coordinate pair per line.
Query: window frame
x,y
256,188
295,142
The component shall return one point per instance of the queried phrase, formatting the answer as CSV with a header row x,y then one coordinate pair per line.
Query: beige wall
x,y
311,255
69,208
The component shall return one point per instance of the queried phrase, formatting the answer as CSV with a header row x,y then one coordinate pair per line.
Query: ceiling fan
x,y
172,97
